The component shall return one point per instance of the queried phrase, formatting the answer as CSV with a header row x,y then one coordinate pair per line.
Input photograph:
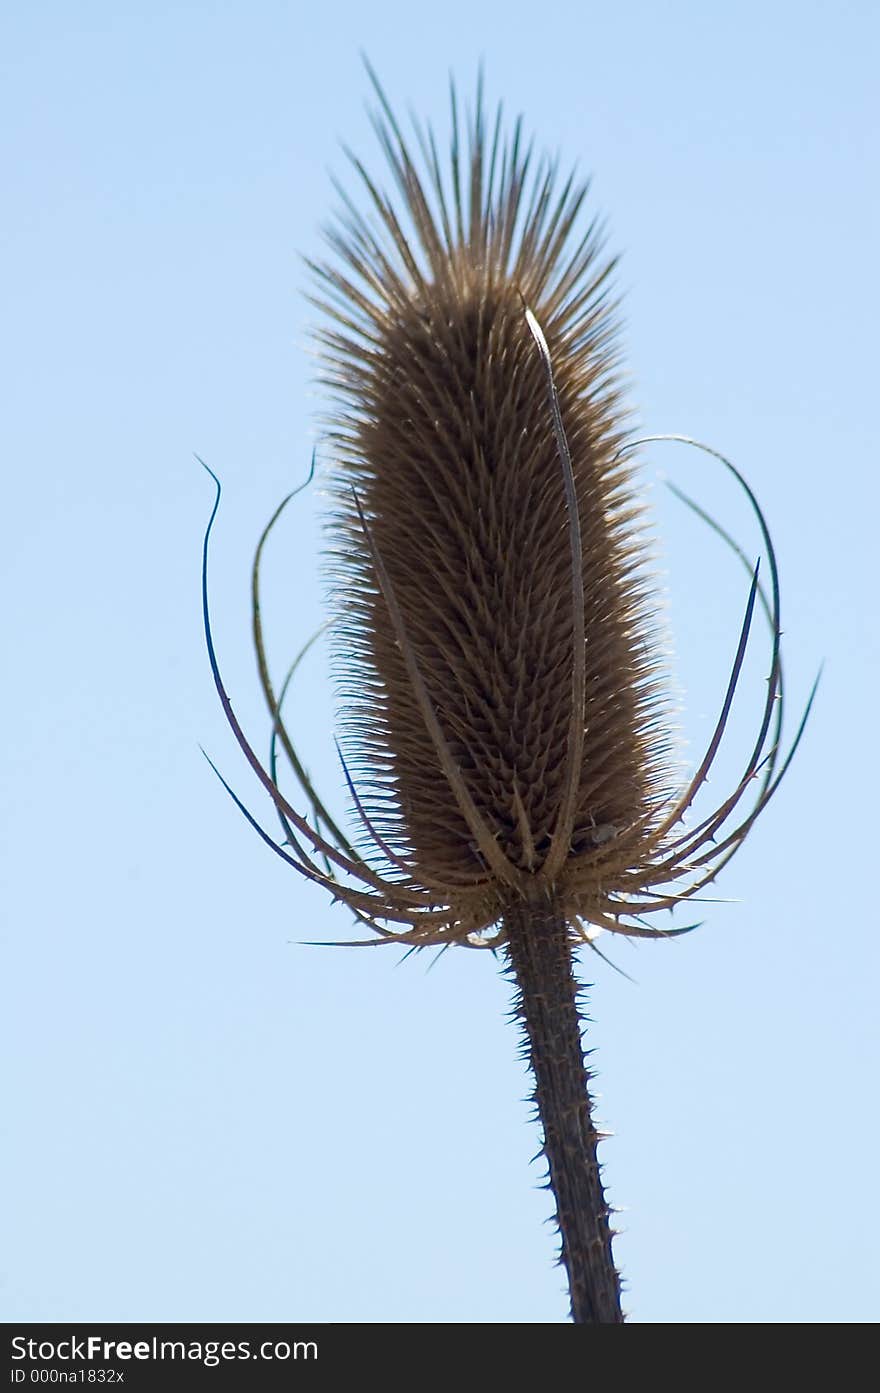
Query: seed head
x,y
454,508
504,720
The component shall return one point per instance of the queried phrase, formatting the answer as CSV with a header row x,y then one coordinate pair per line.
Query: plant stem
x,y
540,962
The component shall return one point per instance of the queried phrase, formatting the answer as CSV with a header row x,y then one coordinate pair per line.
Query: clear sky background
x,y
207,1120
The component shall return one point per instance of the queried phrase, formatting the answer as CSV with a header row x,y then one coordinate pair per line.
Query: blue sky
x,y
208,1120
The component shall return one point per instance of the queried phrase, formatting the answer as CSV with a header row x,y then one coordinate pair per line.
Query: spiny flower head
x,y
505,727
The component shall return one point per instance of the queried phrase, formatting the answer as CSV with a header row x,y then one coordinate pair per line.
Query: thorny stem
x,y
540,962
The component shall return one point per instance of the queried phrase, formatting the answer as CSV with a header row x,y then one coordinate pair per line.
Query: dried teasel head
x,y
505,729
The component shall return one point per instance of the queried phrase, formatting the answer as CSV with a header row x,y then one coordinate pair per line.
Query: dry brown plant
x,y
505,729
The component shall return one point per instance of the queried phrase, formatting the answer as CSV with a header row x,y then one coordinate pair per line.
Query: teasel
x,y
506,734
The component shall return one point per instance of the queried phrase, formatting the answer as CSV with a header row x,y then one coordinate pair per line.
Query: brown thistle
x,y
505,727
